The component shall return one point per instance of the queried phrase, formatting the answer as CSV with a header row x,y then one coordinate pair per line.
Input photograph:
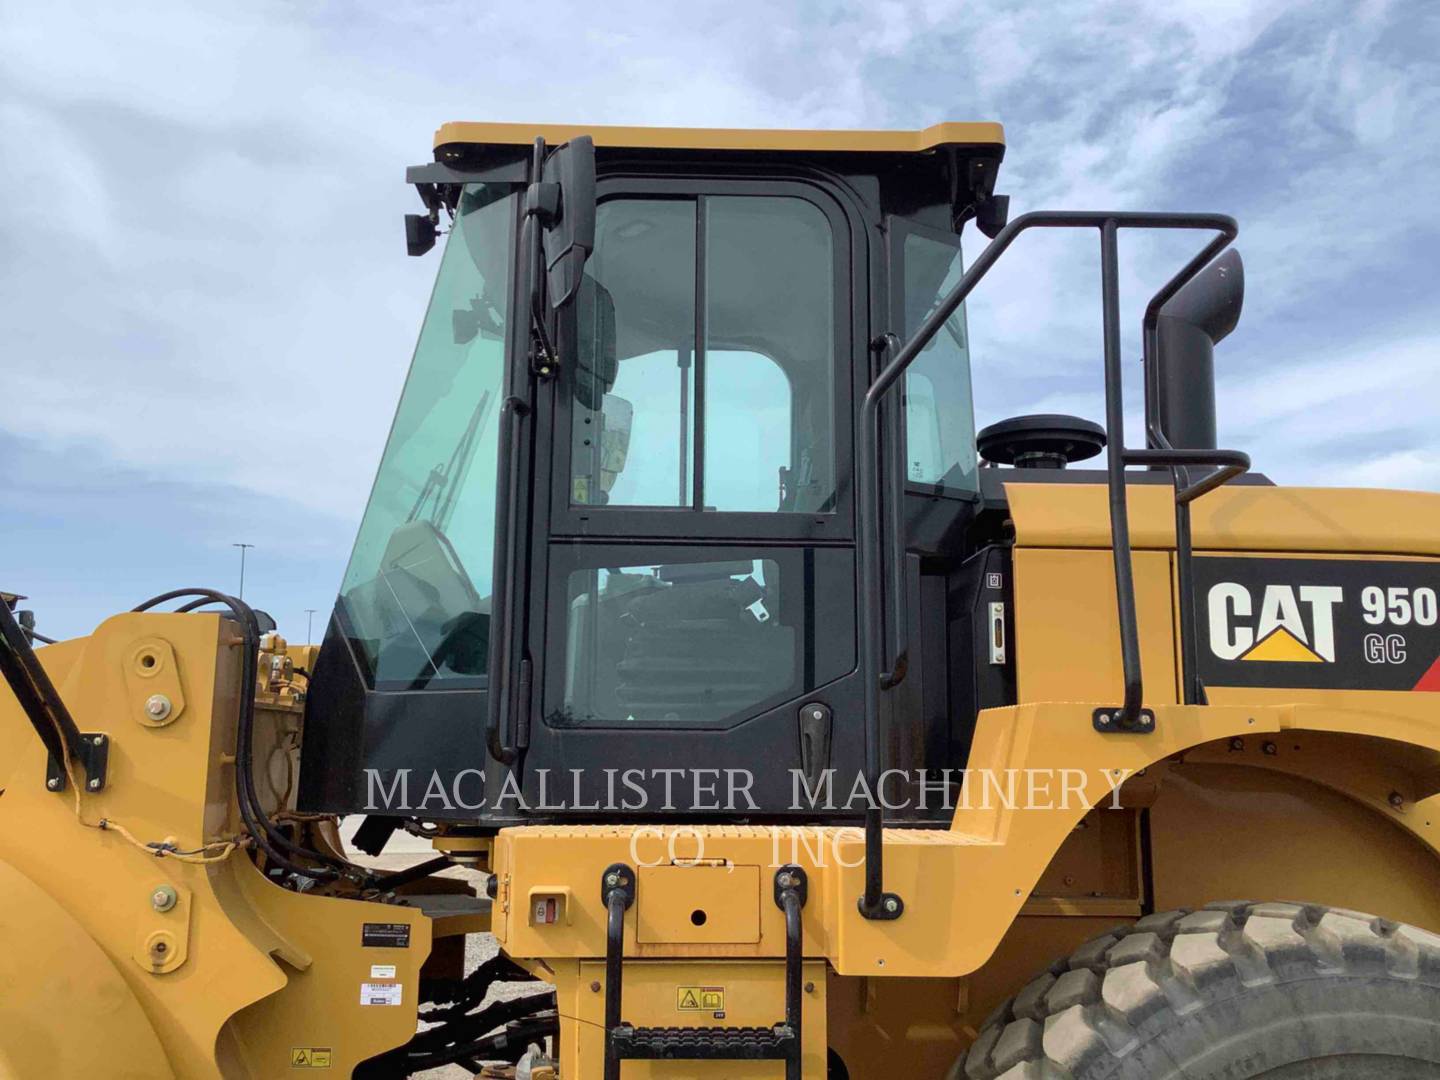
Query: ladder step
x,y
701,1044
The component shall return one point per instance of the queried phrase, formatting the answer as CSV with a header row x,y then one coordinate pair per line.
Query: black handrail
x,y
876,903
898,662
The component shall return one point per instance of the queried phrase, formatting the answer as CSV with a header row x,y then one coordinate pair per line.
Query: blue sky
x,y
208,311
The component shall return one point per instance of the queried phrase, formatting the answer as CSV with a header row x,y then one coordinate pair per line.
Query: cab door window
x,y
706,357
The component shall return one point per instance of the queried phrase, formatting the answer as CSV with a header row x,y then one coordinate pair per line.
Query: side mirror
x,y
570,230
1187,329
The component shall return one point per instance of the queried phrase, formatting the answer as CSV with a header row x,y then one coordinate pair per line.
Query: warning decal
x,y
700,999
310,1057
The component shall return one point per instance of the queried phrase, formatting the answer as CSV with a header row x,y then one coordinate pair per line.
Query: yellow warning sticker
x,y
700,998
310,1057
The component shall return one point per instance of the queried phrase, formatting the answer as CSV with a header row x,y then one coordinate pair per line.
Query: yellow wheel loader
x,y
772,720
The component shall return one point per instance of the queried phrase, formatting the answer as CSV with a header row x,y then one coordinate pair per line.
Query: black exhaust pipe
x,y
1187,329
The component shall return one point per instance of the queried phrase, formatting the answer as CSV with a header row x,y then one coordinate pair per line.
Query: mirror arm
x,y
542,205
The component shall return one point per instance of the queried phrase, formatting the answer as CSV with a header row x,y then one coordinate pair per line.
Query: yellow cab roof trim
x,y
659,138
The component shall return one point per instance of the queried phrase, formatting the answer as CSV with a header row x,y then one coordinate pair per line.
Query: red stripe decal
x,y
1431,679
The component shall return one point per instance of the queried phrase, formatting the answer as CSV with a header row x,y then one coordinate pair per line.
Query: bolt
x,y
612,880
892,905
157,706
785,881
163,898
98,740
94,785
809,987
159,948
1269,748
1397,800
595,987
1237,743
53,783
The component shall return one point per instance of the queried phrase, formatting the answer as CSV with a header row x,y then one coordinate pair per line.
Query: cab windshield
x,y
415,600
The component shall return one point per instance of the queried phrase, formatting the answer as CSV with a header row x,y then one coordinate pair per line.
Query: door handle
x,y
816,724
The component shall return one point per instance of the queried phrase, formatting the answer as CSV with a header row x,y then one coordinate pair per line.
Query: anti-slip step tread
x,y
706,1043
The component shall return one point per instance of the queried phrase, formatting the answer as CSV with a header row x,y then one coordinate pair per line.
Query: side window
x,y
770,355
706,326
939,413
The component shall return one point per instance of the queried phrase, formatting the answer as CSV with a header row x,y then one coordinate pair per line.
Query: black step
x,y
704,1044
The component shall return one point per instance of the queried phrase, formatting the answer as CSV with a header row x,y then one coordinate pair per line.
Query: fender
x,y
995,852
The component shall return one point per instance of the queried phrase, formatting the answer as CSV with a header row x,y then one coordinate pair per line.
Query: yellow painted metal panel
x,y
1067,635
250,970
686,904
902,142
1234,518
65,1011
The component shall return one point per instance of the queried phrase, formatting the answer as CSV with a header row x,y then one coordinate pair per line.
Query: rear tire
x,y
1233,991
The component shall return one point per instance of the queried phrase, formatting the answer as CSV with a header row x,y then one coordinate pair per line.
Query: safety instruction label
x,y
310,1057
380,993
382,971
700,999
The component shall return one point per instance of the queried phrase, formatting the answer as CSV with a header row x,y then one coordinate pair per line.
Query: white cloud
x,y
203,272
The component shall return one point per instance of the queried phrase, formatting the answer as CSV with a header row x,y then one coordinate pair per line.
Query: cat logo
x,y
1295,626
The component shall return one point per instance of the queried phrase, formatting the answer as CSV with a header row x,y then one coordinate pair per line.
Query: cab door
x,y
692,619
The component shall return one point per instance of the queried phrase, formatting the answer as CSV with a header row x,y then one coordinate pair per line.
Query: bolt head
x,y
612,880
157,706
595,986
164,898
160,948
1396,799
53,783
98,740
94,785
785,881
892,905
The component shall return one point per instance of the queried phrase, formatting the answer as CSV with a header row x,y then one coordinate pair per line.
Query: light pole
x,y
242,548
309,624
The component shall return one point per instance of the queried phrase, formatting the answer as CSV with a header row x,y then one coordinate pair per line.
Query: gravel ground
x,y
406,850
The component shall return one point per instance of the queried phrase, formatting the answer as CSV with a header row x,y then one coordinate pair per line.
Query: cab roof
x,y
888,142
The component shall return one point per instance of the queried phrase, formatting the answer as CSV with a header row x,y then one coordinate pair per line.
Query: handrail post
x,y
1115,462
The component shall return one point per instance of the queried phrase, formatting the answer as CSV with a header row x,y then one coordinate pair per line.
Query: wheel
x,y
1235,990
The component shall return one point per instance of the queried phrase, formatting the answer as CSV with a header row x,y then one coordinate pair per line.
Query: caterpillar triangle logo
x,y
1282,646
1285,624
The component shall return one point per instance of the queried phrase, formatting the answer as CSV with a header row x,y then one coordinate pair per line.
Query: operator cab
x,y
615,532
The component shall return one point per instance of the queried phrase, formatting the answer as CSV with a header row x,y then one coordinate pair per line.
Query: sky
x,y
208,311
